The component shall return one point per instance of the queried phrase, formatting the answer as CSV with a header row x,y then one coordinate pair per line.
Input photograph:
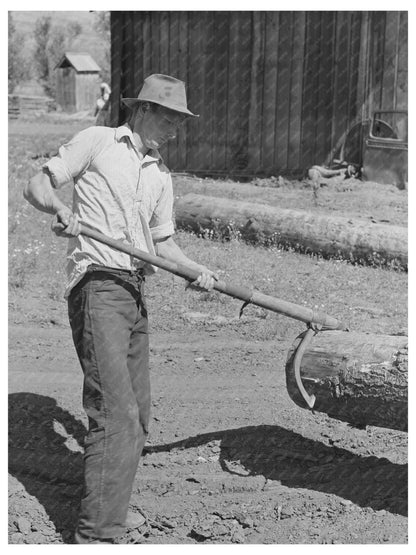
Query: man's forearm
x,y
169,250
40,193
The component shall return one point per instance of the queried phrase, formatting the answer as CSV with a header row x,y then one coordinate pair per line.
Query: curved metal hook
x,y
310,332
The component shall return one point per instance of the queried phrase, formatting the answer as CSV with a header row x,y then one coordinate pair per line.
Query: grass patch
x,y
367,298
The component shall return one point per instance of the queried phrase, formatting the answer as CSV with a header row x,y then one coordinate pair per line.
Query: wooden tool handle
x,y
245,294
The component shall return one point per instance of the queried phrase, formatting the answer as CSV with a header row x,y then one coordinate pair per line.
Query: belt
x,y
126,275
139,273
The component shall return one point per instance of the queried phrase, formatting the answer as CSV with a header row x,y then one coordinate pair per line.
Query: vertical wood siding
x,y
66,89
76,91
276,91
87,90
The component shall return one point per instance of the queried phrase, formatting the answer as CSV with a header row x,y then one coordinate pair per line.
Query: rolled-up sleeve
x,y
73,158
161,222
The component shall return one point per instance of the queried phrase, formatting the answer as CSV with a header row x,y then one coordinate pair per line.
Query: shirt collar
x,y
152,155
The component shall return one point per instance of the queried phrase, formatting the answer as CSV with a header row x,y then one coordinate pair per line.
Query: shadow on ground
x,y
43,457
43,439
299,462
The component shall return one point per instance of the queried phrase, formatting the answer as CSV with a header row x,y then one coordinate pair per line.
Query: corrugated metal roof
x,y
80,61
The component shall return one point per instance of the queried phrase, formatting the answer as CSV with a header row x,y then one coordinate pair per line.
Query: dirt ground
x,y
230,458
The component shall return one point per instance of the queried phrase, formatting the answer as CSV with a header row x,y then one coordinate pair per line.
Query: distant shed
x,y
77,82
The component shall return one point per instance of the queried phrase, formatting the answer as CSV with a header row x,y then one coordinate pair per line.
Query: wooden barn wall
x,y
87,90
65,89
275,91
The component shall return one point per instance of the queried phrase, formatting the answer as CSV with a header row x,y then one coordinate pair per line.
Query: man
x,y
102,108
123,189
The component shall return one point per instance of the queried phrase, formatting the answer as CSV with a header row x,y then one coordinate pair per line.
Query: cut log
x,y
355,377
331,236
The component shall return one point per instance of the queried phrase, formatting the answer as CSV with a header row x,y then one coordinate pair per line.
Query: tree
x,y
102,26
18,67
40,55
51,42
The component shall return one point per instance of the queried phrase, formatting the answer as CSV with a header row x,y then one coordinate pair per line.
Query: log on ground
x,y
356,377
330,236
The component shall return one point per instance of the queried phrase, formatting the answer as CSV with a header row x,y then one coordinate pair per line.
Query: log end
x,y
357,378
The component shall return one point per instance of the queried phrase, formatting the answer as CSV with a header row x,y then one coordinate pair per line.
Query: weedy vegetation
x,y
370,298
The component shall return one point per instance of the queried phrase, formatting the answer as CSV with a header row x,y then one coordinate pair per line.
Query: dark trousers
x,y
110,332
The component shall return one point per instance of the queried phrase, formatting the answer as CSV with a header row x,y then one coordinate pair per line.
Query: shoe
x,y
134,520
81,539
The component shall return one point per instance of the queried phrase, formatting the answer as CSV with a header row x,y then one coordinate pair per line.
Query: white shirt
x,y
115,193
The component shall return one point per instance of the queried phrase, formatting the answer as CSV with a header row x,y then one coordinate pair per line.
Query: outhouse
x,y
77,82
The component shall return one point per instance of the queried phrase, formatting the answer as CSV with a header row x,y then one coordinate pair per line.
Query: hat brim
x,y
132,102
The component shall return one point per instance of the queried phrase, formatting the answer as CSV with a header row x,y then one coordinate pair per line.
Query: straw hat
x,y
164,90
